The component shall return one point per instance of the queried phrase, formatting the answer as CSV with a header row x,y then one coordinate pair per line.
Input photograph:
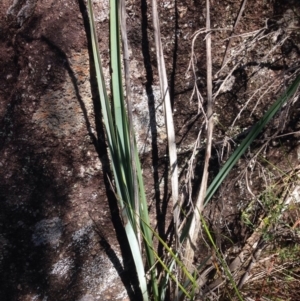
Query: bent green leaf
x,y
257,128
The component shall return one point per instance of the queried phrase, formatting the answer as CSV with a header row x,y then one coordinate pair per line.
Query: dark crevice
x,y
160,206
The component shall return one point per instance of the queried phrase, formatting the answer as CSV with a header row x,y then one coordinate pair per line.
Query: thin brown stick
x,y
233,31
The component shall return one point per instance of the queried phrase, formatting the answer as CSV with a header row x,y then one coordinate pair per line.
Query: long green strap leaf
x,y
146,228
120,116
106,110
100,80
249,139
119,153
243,147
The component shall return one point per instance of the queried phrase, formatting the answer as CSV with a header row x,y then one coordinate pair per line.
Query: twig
x,y
233,31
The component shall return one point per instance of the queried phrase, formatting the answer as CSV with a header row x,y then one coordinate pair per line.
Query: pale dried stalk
x,y
193,60
189,178
195,223
168,119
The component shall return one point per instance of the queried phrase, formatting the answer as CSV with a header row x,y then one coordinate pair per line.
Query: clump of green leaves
x,y
126,169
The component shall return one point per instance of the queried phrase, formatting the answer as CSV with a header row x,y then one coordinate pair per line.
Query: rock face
x,y
61,237
57,231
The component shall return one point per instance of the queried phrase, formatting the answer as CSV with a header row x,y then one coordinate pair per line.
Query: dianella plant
x,y
176,268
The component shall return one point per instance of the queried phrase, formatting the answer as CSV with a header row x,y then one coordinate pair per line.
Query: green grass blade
x,y
133,151
163,264
174,260
146,228
118,96
224,264
100,80
104,100
249,139
119,151
116,69
139,264
164,283
177,260
243,147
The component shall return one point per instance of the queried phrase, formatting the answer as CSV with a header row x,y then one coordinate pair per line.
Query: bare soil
x,y
61,237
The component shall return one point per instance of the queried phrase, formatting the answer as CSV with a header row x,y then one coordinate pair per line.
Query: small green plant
x,y
289,253
126,167
128,177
